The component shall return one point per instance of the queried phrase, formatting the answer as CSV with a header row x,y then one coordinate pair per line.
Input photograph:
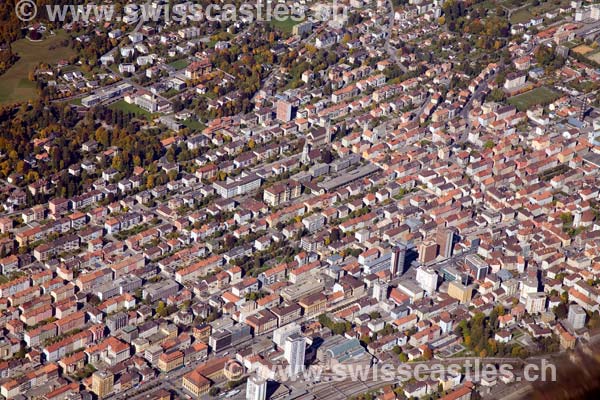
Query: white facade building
x,y
295,346
256,388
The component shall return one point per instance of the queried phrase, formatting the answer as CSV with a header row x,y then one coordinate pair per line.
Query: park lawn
x,y
131,109
540,95
594,56
526,13
583,49
285,25
180,64
170,93
520,16
194,124
15,85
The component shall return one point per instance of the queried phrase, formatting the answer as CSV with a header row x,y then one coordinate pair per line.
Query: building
x,y
198,68
295,346
314,222
105,94
577,316
445,242
462,393
195,383
380,290
319,169
199,381
313,304
256,388
529,285
224,338
339,350
427,252
262,322
397,260
535,302
238,187
477,267
117,321
281,193
281,334
373,265
102,383
287,313
170,361
427,278
302,28
515,80
151,103
460,292
160,290
284,110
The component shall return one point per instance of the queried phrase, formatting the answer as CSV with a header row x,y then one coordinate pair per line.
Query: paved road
x,y
388,47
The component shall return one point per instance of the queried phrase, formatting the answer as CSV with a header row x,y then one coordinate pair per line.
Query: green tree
x,y
560,311
427,354
102,137
161,309
498,95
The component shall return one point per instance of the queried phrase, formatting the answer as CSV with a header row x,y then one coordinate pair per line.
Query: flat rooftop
x,y
349,177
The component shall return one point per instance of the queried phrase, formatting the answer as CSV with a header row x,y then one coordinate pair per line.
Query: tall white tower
x,y
529,285
295,346
256,388
380,290
305,150
329,132
397,260
577,316
427,278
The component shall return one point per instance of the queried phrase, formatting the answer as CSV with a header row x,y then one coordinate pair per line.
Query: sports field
x,y
540,95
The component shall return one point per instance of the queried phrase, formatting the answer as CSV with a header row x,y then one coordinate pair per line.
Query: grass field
x,y
525,14
583,49
194,124
594,57
170,93
541,95
180,64
284,25
521,16
131,108
15,85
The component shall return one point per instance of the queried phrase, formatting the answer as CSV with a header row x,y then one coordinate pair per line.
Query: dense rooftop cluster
x,y
218,208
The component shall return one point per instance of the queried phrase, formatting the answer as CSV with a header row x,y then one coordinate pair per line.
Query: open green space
x,y
284,25
180,64
540,95
15,85
524,14
520,16
131,109
194,124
